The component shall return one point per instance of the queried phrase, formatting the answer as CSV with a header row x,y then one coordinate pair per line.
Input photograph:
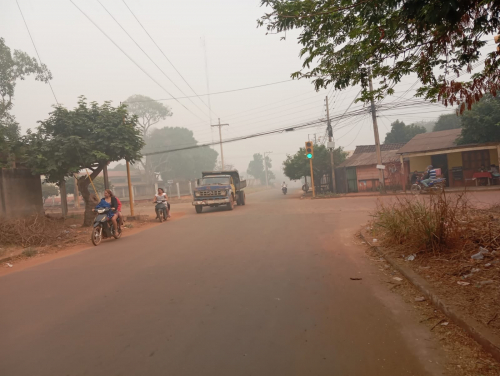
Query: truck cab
x,y
219,188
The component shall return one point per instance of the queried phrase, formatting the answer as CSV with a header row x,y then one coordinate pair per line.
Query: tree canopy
x,y
183,164
482,122
256,168
402,133
149,112
448,121
296,166
343,40
87,137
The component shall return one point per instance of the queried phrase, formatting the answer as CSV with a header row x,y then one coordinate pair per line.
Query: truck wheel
x,y
230,206
242,198
198,208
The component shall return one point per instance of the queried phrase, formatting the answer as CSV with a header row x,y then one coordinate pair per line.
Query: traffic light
x,y
309,150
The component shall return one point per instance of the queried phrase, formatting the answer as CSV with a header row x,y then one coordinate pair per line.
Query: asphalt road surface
x,y
262,290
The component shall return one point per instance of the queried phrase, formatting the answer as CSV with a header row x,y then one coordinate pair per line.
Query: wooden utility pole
x,y
130,191
331,146
377,139
220,140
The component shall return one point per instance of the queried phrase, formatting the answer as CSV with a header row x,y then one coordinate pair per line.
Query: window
x,y
473,160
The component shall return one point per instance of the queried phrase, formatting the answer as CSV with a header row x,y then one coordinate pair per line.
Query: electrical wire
x,y
132,60
36,50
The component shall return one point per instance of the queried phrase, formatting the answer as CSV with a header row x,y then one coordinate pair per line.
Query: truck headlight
x,y
197,194
223,192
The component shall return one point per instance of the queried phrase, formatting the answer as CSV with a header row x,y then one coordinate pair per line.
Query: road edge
x,y
487,340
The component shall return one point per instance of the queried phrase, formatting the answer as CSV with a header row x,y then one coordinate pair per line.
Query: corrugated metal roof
x,y
368,159
383,147
432,141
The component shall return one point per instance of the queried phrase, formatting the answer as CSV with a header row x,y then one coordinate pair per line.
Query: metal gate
x,y
352,180
340,180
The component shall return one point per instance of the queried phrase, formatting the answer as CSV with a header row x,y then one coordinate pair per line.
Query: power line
x,y
144,52
216,93
130,58
36,50
163,53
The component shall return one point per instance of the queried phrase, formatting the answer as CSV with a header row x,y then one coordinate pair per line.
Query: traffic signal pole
x,y
312,177
330,139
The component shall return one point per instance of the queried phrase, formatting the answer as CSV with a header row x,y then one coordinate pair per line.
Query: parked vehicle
x,y
161,210
219,188
434,186
305,188
103,227
284,189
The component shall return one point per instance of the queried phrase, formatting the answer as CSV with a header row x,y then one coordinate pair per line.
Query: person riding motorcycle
x,y
109,201
429,175
283,185
160,197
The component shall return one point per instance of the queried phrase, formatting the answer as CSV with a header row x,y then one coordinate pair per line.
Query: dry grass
x,y
34,231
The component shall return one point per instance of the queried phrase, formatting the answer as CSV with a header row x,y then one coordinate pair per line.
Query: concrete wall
x,y
420,163
20,193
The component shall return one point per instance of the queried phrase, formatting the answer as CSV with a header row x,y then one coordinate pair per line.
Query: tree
x,y
401,133
123,167
98,184
257,170
149,112
13,67
87,137
296,166
343,40
183,164
49,190
482,122
448,121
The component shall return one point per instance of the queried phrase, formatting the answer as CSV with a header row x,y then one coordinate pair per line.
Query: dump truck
x,y
219,188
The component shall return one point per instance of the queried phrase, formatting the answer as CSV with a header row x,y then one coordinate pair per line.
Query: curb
x,y
481,335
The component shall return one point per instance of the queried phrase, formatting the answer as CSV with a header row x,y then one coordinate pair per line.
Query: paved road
x,y
261,290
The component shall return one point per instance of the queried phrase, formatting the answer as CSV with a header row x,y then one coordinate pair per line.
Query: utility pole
x,y
220,138
130,191
105,173
331,146
377,139
265,165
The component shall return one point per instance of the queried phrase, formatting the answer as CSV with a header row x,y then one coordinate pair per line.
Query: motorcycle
x,y
434,186
103,227
161,210
284,189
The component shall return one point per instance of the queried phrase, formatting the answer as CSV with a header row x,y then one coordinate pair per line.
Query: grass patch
x,y
30,252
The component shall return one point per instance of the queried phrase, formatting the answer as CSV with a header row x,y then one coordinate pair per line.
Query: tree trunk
x,y
64,198
90,199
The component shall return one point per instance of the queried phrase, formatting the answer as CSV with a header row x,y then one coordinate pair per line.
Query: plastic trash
x,y
463,283
397,279
410,257
374,240
9,265
420,299
480,254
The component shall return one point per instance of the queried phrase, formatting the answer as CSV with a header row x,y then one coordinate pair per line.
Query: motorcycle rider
x,y
160,197
429,175
109,201
283,187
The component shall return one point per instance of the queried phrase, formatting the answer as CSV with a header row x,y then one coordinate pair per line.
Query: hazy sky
x,y
84,62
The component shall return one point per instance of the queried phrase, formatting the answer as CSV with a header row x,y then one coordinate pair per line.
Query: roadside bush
x,y
30,252
437,223
34,231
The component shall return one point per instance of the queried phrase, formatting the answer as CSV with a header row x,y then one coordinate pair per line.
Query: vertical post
x,y
130,190
76,193
220,142
312,177
265,166
105,173
190,188
330,139
178,190
377,139
403,178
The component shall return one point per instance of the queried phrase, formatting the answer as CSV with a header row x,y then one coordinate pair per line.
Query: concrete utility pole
x,y
130,190
105,173
220,138
377,139
331,146
265,166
